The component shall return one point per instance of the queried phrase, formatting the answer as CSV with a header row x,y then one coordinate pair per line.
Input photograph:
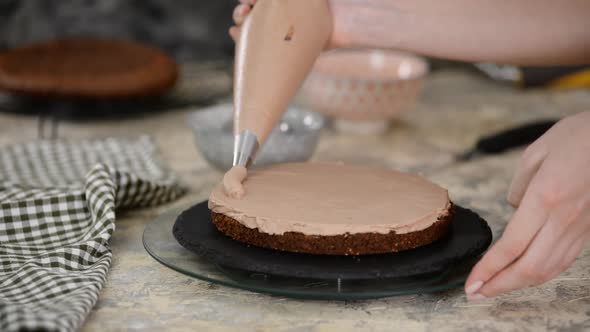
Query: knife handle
x,y
514,137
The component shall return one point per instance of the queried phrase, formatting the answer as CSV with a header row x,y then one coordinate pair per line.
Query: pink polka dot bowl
x,y
363,90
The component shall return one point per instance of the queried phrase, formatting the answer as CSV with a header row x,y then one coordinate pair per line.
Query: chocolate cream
x,y
332,199
232,182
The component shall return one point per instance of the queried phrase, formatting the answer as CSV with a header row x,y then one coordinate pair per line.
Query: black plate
x,y
469,237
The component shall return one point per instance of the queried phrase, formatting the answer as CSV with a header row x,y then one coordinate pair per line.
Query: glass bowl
x,y
294,139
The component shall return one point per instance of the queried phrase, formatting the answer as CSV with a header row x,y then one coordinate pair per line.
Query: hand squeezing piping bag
x,y
279,43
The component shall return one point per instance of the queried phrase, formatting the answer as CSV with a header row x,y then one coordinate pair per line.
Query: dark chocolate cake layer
x,y
346,244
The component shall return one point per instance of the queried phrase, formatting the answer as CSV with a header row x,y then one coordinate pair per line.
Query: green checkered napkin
x,y
57,214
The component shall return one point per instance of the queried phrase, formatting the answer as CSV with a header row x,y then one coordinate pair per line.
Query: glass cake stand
x,y
162,246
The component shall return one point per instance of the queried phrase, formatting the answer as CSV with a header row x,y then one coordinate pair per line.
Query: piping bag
x,y
278,45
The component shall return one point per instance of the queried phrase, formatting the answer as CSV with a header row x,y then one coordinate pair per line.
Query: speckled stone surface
x,y
455,109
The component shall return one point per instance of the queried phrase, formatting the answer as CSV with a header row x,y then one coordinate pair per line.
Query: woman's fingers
x,y
536,265
527,168
522,228
566,225
575,247
234,33
552,251
548,256
240,14
570,257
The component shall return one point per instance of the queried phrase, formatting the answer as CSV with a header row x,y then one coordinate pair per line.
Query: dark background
x,y
186,29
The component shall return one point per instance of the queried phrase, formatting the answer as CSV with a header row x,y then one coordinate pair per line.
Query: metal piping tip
x,y
245,148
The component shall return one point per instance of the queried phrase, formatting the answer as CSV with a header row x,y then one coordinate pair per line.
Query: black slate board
x,y
469,237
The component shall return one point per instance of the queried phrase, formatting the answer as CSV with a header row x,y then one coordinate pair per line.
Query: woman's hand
x,y
244,8
551,190
460,29
240,13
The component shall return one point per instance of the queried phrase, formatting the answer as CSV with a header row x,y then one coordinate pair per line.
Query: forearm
x,y
531,32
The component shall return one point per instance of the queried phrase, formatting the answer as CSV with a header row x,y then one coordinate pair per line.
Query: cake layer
x,y
347,244
328,199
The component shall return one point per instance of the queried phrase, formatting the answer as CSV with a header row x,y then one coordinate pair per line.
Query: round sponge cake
x,y
86,68
333,209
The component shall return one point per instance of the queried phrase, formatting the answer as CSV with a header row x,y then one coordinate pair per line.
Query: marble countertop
x,y
455,109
